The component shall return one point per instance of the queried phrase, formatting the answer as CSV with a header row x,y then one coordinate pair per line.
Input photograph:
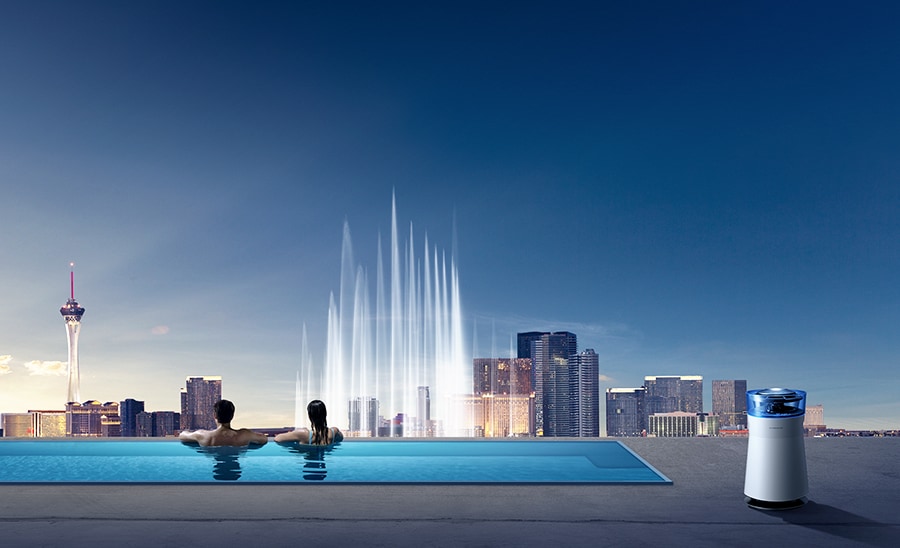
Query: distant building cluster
x,y
128,418
550,389
672,406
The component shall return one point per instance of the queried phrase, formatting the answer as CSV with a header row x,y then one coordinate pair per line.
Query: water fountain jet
x,y
411,346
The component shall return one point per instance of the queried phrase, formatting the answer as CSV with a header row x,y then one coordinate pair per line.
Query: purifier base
x,y
780,505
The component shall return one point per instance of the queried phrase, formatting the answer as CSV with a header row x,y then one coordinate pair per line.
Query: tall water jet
x,y
303,383
397,358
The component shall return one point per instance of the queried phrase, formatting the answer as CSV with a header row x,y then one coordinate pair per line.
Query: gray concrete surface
x,y
854,501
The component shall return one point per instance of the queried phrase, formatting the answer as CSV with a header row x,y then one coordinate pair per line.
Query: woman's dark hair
x,y
317,414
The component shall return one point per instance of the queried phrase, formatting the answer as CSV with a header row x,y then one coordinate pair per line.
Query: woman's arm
x,y
301,435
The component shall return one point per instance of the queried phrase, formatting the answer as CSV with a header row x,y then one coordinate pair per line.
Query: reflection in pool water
x,y
227,466
313,457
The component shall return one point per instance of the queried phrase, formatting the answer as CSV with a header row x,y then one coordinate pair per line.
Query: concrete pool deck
x,y
854,501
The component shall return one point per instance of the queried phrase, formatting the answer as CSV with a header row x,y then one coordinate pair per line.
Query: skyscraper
x,y
501,376
674,393
423,412
550,369
524,341
625,412
729,402
503,399
72,313
363,417
128,410
197,399
584,394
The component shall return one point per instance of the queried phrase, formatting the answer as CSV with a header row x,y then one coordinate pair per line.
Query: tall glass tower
x,y
72,313
729,402
197,400
584,394
550,368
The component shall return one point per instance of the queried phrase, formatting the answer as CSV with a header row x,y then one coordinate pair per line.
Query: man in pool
x,y
223,410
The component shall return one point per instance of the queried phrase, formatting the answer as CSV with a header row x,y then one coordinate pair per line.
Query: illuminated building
x,y
502,376
49,424
503,415
92,419
18,425
550,367
34,424
503,402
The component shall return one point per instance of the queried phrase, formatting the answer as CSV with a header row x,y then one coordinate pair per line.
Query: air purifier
x,y
776,476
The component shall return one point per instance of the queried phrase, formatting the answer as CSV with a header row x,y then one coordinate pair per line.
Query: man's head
x,y
224,411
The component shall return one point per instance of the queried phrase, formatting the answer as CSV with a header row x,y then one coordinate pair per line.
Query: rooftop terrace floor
x,y
854,500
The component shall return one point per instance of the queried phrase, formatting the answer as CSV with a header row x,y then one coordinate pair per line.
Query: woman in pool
x,y
320,434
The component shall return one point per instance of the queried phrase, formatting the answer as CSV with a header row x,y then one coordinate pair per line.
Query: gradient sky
x,y
698,188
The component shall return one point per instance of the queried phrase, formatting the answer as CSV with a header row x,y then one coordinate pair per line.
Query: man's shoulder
x,y
247,434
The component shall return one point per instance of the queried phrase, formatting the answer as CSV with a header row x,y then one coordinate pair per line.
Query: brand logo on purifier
x,y
776,428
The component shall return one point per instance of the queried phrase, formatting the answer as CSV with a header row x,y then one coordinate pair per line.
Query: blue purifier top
x,y
776,402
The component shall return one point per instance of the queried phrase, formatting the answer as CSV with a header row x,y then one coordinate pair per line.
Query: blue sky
x,y
693,188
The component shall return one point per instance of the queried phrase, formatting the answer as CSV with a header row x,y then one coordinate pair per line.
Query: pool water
x,y
353,461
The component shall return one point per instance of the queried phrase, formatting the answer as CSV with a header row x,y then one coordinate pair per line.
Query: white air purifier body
x,y
776,476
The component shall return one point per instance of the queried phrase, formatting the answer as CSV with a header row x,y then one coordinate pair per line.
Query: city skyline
x,y
693,189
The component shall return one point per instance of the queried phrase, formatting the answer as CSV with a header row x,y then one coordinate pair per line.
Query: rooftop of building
x,y
854,499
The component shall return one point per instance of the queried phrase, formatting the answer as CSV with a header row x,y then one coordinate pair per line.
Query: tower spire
x,y
72,313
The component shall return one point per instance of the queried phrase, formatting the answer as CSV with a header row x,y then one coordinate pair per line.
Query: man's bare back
x,y
224,435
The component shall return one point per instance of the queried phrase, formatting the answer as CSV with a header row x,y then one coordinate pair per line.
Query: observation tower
x,y
72,313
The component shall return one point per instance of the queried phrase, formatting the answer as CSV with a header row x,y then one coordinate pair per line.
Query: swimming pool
x,y
353,461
